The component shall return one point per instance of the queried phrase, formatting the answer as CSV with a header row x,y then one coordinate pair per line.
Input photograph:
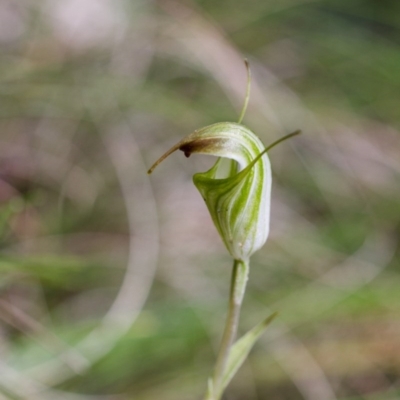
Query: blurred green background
x,y
113,284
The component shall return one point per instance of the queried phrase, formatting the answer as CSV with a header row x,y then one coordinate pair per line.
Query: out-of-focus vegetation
x,y
113,285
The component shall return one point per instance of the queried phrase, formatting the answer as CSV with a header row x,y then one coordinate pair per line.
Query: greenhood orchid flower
x,y
237,193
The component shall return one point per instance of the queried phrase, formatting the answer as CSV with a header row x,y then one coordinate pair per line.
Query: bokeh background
x,y
113,284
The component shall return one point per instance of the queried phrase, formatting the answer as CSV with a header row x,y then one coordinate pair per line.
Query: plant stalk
x,y
239,278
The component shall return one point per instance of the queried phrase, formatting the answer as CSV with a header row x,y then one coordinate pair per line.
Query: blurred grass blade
x,y
242,347
210,390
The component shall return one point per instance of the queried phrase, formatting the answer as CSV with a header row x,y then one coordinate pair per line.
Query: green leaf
x,y
241,349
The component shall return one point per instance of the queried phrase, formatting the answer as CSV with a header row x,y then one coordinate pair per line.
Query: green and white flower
x,y
237,191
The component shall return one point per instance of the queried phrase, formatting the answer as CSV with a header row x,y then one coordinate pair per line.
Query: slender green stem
x,y
240,274
247,97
